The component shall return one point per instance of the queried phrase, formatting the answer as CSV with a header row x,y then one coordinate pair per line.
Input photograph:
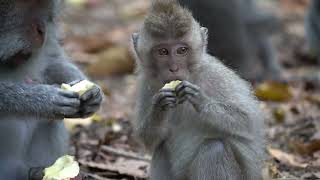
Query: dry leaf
x,y
305,148
91,44
279,114
133,168
273,91
286,158
313,99
116,60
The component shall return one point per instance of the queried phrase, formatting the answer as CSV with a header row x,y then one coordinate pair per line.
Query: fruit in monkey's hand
x,y
65,168
171,85
80,88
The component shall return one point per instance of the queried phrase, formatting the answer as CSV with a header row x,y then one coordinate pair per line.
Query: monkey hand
x,y
90,102
57,103
192,93
165,99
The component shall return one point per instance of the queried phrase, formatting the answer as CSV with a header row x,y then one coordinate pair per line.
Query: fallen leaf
x,y
315,99
279,114
129,167
273,91
116,60
286,158
305,148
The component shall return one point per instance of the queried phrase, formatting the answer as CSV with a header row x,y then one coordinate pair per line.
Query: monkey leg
x,y
160,166
13,169
215,161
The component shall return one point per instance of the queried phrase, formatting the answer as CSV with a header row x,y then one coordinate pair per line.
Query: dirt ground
x,y
96,36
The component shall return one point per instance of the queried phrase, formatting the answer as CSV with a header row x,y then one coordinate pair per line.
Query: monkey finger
x,y
168,99
95,91
94,101
185,84
66,111
186,91
73,116
162,95
168,106
72,102
89,109
68,94
86,115
166,102
167,90
182,99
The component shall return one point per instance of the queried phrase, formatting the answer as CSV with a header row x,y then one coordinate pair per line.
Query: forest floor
x,y
96,36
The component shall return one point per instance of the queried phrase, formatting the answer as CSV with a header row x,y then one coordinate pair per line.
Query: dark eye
x,y
182,50
163,52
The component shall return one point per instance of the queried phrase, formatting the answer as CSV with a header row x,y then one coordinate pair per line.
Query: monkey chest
x,y
29,73
15,134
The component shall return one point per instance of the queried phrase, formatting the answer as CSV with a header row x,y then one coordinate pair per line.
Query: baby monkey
x,y
209,126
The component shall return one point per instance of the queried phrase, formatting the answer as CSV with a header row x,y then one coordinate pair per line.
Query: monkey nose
x,y
174,69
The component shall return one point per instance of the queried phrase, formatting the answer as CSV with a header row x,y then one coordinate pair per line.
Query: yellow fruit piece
x,y
80,87
172,84
76,2
64,168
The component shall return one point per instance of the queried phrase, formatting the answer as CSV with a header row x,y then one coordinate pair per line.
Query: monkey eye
x,y
182,50
163,52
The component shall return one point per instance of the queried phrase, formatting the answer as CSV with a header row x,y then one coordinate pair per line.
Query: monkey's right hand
x,y
165,99
59,103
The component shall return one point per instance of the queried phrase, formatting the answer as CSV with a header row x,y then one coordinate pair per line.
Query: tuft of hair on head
x,y
167,18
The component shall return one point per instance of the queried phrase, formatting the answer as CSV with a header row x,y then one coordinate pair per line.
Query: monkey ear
x,y
134,44
204,34
134,39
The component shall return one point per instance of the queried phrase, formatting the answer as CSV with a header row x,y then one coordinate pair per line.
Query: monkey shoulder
x,y
216,76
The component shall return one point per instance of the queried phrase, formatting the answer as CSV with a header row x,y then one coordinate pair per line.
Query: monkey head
x,y
23,28
170,42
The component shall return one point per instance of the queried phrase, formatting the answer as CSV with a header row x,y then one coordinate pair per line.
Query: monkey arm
x,y
14,97
151,125
226,117
62,71
37,100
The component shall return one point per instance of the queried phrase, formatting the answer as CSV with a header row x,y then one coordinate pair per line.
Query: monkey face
x,y
23,29
171,61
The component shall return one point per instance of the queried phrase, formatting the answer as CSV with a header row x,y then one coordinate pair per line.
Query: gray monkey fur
x,y
32,105
239,36
218,134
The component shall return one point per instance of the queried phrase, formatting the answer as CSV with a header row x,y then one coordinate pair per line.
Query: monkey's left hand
x,y
187,91
90,101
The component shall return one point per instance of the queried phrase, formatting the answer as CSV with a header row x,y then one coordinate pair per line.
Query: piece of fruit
x,y
172,84
64,168
80,88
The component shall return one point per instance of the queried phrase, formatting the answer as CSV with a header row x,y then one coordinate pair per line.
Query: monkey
x,y
239,36
33,65
208,127
312,27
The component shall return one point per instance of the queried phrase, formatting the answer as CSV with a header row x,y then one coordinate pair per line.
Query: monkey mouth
x,y
17,59
172,79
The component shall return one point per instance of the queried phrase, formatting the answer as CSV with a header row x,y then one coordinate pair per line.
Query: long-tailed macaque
x,y
32,105
210,125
